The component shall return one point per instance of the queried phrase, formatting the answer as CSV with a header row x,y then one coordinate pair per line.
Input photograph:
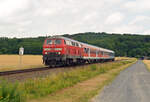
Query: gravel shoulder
x,y
132,85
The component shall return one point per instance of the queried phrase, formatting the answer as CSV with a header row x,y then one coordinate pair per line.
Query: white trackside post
x,y
21,52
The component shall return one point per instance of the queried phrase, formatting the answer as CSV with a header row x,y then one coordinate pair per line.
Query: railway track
x,y
5,73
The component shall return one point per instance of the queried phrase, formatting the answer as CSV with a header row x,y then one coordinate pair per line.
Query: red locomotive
x,y
58,50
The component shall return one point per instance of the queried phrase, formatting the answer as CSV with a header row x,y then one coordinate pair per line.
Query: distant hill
x,y
122,44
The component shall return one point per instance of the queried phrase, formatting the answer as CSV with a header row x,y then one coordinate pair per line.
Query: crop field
x,y
121,58
147,62
12,62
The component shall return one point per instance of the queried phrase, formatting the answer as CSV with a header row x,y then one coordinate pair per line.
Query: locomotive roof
x,y
83,43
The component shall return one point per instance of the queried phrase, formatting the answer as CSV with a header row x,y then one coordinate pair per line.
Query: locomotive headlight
x,y
58,49
46,53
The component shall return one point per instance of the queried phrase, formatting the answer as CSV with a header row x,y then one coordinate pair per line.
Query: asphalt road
x,y
132,85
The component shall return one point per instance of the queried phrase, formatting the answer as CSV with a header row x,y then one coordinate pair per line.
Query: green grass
x,y
44,86
10,93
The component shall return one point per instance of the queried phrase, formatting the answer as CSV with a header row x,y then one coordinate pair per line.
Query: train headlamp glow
x,y
46,53
58,49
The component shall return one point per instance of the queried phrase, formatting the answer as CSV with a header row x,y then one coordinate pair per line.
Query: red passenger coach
x,y
60,51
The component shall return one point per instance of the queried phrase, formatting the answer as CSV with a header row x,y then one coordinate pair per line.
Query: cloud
x,y
147,32
114,18
128,29
10,7
22,18
138,5
140,24
140,20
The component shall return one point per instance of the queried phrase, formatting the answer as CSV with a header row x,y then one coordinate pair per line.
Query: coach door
x,y
96,54
88,52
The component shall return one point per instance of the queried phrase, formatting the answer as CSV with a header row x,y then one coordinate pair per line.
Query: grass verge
x,y
52,84
85,90
10,93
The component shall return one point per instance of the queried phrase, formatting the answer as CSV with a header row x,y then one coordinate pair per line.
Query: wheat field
x,y
147,62
121,58
12,62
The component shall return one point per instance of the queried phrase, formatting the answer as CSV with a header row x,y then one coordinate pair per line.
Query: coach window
x,y
77,44
102,53
111,54
70,43
57,42
67,42
49,41
85,50
99,52
73,43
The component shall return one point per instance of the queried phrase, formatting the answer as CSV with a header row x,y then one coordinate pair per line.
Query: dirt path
x,y
132,85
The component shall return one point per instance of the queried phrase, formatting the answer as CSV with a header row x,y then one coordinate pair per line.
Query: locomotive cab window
x,y
65,42
57,42
49,41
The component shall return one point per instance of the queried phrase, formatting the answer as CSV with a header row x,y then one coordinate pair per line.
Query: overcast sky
x,y
24,18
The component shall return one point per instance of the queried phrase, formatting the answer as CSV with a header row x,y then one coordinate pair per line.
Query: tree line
x,y
130,45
